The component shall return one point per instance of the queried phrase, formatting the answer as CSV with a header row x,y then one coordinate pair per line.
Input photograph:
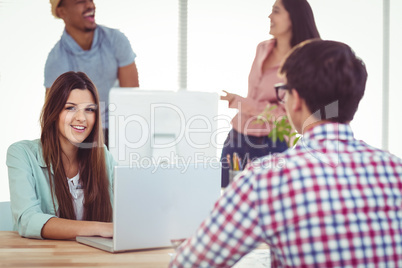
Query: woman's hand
x,y
106,229
228,97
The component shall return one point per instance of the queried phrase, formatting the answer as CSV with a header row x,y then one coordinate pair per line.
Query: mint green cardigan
x,y
30,194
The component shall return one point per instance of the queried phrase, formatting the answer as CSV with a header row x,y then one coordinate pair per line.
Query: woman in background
x,y
292,21
60,185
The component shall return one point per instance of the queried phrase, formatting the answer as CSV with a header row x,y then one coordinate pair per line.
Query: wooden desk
x,y
16,251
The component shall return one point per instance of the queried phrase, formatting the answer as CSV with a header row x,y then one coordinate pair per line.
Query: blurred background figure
x,y
104,54
292,21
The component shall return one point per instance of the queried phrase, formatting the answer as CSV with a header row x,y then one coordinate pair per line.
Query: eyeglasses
x,y
280,90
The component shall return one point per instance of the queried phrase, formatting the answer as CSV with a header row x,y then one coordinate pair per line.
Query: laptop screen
x,y
155,204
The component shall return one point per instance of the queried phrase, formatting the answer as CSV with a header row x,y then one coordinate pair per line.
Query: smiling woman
x,y
60,185
78,117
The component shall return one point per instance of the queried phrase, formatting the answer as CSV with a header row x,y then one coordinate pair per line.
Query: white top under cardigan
x,y
78,196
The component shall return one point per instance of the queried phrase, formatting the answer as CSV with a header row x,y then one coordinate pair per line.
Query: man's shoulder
x,y
382,156
109,32
116,41
56,52
57,62
277,162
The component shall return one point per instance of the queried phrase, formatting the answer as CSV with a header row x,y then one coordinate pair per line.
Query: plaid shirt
x,y
332,201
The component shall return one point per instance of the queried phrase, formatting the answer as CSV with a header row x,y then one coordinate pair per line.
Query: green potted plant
x,y
281,129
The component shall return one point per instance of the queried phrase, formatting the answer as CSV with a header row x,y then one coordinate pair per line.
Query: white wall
x,y
395,98
223,35
23,49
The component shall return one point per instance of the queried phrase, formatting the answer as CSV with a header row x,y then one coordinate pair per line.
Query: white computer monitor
x,y
156,126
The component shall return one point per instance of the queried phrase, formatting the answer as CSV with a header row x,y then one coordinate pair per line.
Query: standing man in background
x,y
104,54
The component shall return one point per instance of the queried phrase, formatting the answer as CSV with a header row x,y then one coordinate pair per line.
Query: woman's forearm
x,y
57,228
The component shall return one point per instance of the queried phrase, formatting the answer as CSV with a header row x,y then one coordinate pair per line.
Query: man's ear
x,y
60,12
297,102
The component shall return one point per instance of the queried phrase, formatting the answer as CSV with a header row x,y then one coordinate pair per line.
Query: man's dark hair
x,y
325,72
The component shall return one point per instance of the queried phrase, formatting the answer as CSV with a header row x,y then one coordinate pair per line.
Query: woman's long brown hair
x,y
91,154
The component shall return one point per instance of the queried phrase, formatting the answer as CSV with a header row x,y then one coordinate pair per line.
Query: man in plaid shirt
x,y
332,201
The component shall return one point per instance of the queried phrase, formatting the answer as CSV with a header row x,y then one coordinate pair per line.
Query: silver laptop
x,y
156,204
